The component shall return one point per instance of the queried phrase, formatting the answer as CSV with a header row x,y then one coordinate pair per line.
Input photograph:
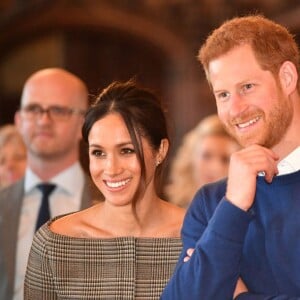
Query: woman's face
x,y
211,158
12,162
114,166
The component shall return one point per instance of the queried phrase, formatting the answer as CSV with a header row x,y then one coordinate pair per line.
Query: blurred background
x,y
155,41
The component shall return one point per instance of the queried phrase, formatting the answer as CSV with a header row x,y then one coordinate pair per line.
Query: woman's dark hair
x,y
143,115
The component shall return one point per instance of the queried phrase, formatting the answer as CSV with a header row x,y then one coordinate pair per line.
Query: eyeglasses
x,y
55,112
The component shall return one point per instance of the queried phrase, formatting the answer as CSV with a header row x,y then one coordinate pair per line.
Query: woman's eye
x,y
97,153
206,156
225,159
127,151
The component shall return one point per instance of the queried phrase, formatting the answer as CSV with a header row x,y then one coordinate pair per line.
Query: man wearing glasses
x,y
51,113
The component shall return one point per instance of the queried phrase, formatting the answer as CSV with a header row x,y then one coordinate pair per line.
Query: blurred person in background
x,y
203,157
12,155
53,104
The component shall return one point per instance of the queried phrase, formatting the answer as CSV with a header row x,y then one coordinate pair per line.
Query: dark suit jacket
x,y
10,207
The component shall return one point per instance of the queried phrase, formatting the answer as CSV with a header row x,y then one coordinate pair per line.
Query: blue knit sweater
x,y
262,246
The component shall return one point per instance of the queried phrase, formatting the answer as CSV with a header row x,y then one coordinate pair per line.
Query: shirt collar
x,y
290,163
70,180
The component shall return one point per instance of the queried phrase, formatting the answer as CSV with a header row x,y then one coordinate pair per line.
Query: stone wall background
x,y
155,41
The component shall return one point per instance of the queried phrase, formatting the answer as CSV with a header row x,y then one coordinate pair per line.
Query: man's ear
x,y
162,151
288,77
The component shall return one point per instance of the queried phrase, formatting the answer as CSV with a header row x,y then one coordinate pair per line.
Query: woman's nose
x,y
112,166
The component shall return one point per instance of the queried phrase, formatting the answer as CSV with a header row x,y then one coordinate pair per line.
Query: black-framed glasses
x,y
55,112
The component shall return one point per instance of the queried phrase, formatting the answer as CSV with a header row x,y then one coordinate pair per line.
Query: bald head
x,y
55,84
52,137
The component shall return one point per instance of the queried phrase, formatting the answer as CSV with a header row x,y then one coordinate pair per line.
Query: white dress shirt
x,y
287,165
65,198
290,163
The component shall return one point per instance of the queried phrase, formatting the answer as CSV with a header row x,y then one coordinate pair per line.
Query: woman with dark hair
x,y
125,247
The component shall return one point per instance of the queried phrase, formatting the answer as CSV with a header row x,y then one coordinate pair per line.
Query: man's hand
x,y
189,253
243,169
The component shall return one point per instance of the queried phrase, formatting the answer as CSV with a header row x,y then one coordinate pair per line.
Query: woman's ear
x,y
288,76
162,151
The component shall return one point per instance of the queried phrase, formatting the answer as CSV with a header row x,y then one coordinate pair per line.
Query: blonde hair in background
x,y
9,134
182,186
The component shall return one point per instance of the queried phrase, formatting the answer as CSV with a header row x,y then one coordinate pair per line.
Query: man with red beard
x,y
240,235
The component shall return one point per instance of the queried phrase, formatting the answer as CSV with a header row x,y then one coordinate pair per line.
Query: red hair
x,y
271,42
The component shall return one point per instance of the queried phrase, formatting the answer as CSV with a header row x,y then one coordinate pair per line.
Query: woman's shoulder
x,y
74,224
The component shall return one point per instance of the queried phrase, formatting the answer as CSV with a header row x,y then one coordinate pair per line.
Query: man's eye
x,y
222,96
247,87
33,108
60,110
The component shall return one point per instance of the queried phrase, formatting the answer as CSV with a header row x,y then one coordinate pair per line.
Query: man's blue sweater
x,y
262,246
